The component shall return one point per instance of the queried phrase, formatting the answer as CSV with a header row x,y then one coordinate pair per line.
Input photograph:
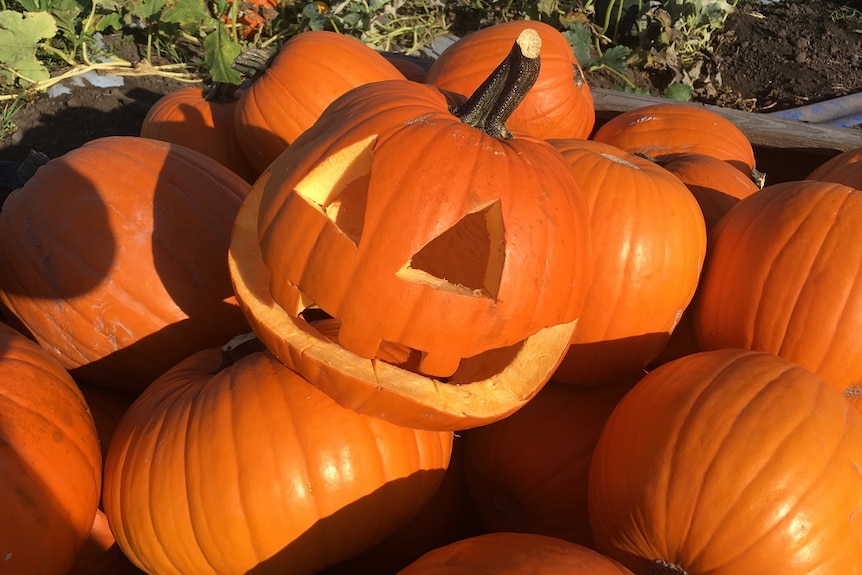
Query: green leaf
x,y
580,40
189,14
616,58
220,52
678,91
20,35
145,9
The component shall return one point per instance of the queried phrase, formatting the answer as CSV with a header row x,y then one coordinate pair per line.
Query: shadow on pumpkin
x,y
601,362
445,518
354,528
120,290
37,535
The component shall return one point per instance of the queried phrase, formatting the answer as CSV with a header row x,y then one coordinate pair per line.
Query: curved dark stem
x,y
238,348
499,95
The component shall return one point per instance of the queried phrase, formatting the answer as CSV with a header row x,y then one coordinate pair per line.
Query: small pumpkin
x,y
514,554
671,127
249,468
113,258
844,168
560,105
729,461
482,287
202,120
50,463
649,242
782,276
307,73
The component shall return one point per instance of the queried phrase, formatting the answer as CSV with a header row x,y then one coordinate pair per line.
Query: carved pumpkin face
x,y
419,231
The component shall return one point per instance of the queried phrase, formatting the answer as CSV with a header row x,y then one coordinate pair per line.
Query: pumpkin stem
x,y
662,567
237,348
494,101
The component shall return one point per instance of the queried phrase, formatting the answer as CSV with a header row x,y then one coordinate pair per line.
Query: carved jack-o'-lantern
x,y
422,229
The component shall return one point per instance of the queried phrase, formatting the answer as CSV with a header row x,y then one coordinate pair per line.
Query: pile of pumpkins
x,y
365,316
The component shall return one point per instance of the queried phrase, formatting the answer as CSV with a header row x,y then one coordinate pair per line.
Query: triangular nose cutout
x,y
467,258
338,186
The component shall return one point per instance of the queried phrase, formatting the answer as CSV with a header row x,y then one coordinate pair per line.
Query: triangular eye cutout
x,y
467,258
338,186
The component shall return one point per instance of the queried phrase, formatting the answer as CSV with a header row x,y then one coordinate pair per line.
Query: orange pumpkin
x,y
649,241
717,186
560,105
480,270
528,472
845,168
726,462
113,257
50,464
306,75
782,276
514,554
197,119
247,467
671,127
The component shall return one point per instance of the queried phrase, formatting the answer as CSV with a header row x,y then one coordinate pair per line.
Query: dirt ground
x,y
770,56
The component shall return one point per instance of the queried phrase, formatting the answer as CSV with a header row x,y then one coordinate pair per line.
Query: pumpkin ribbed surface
x,y
726,462
252,469
666,128
560,105
113,256
782,276
310,71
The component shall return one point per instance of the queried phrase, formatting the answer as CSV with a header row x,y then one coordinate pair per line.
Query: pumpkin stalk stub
x,y
497,97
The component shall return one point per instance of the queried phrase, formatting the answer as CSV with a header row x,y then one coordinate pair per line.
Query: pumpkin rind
x,y
560,105
514,554
845,168
188,118
649,243
251,469
726,462
782,276
113,257
308,73
50,463
672,127
528,472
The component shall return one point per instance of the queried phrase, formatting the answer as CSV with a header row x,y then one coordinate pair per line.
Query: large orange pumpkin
x,y
200,120
782,276
671,127
726,462
514,554
244,467
480,269
560,105
50,463
306,75
113,257
649,242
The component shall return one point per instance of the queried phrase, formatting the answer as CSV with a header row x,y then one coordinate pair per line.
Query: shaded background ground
x,y
770,56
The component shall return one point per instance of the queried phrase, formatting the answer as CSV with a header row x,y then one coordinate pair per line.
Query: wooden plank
x,y
761,129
